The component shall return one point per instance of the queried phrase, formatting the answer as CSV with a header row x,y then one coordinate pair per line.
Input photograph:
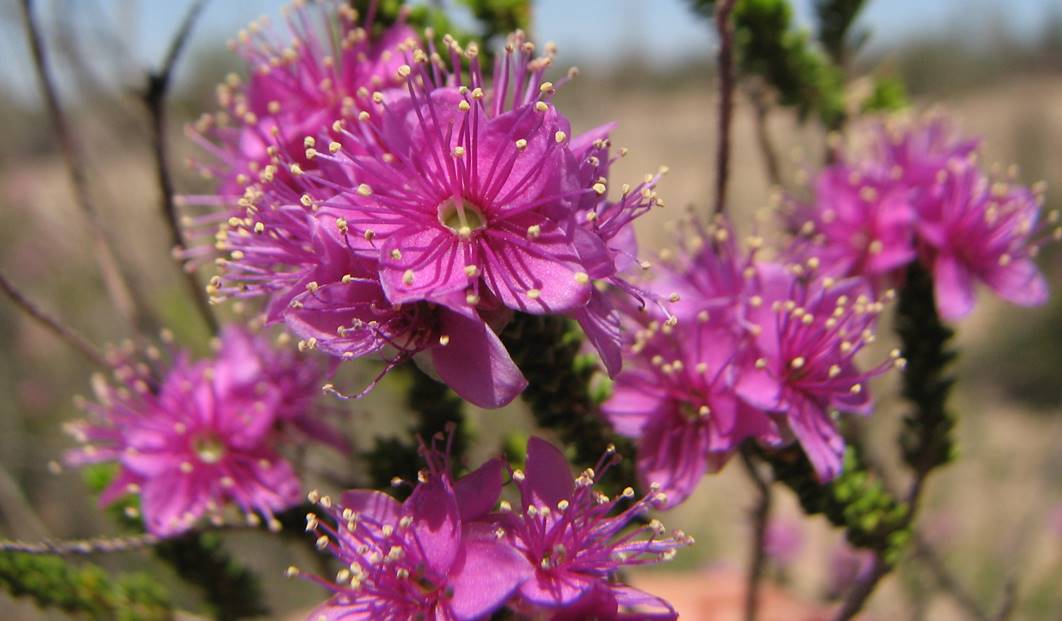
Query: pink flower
x,y
340,307
462,191
197,436
574,540
977,231
807,332
857,224
320,70
676,396
425,558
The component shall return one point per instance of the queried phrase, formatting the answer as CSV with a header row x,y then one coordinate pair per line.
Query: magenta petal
x,y
421,264
548,476
376,506
954,287
335,610
475,363
556,588
643,605
674,454
436,524
1019,282
489,574
820,440
601,324
759,387
479,490
633,405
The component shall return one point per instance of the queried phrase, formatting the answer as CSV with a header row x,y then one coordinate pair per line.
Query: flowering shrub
x,y
422,204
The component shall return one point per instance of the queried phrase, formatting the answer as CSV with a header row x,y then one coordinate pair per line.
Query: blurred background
x,y
994,515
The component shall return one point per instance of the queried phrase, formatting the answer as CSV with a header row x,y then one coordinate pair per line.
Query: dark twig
x,y
53,325
947,582
757,554
154,100
121,293
726,100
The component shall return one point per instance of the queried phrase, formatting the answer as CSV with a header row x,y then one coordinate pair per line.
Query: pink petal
x,y
601,325
548,475
817,435
475,363
953,289
428,265
478,491
1019,282
489,573
632,405
436,524
674,453
556,588
371,504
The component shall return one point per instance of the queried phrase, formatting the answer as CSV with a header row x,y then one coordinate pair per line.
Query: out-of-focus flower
x,y
676,397
576,539
322,68
974,231
784,541
196,436
430,557
857,224
917,194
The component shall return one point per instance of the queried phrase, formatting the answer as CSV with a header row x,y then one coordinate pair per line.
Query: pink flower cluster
x,y
193,437
390,200
919,194
757,350
452,550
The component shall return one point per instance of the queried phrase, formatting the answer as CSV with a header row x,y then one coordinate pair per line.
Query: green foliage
x,y
436,407
83,589
856,501
547,350
230,590
500,17
926,437
889,95
770,47
836,18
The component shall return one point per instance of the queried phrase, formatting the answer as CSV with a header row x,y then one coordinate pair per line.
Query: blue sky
x,y
590,32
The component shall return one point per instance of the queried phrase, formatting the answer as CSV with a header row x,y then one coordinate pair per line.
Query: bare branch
x,y
52,324
757,554
122,295
726,101
80,547
154,100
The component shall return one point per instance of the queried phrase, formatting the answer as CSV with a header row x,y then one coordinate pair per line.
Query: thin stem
x,y
154,100
80,547
726,101
758,96
53,325
946,581
122,295
863,589
757,554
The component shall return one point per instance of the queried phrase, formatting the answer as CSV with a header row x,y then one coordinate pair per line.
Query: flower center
x,y
461,217
693,412
210,449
